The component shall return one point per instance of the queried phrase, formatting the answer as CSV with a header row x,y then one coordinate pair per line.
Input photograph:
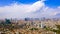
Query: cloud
x,y
43,0
35,10
59,7
50,12
36,6
19,10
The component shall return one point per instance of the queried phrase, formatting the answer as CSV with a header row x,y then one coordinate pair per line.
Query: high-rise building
x,y
7,21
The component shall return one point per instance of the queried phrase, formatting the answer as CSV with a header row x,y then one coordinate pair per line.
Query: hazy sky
x,y
29,8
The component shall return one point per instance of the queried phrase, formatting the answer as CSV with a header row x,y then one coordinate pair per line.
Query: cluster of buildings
x,y
36,22
32,23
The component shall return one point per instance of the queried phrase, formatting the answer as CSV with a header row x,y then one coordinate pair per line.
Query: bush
x,y
34,29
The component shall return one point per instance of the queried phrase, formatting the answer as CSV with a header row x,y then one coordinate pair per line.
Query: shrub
x,y
34,29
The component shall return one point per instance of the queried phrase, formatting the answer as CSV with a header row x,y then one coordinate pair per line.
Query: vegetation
x,y
54,30
34,29
58,29
25,28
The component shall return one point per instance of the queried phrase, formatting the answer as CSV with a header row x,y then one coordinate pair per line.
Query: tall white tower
x,y
41,25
